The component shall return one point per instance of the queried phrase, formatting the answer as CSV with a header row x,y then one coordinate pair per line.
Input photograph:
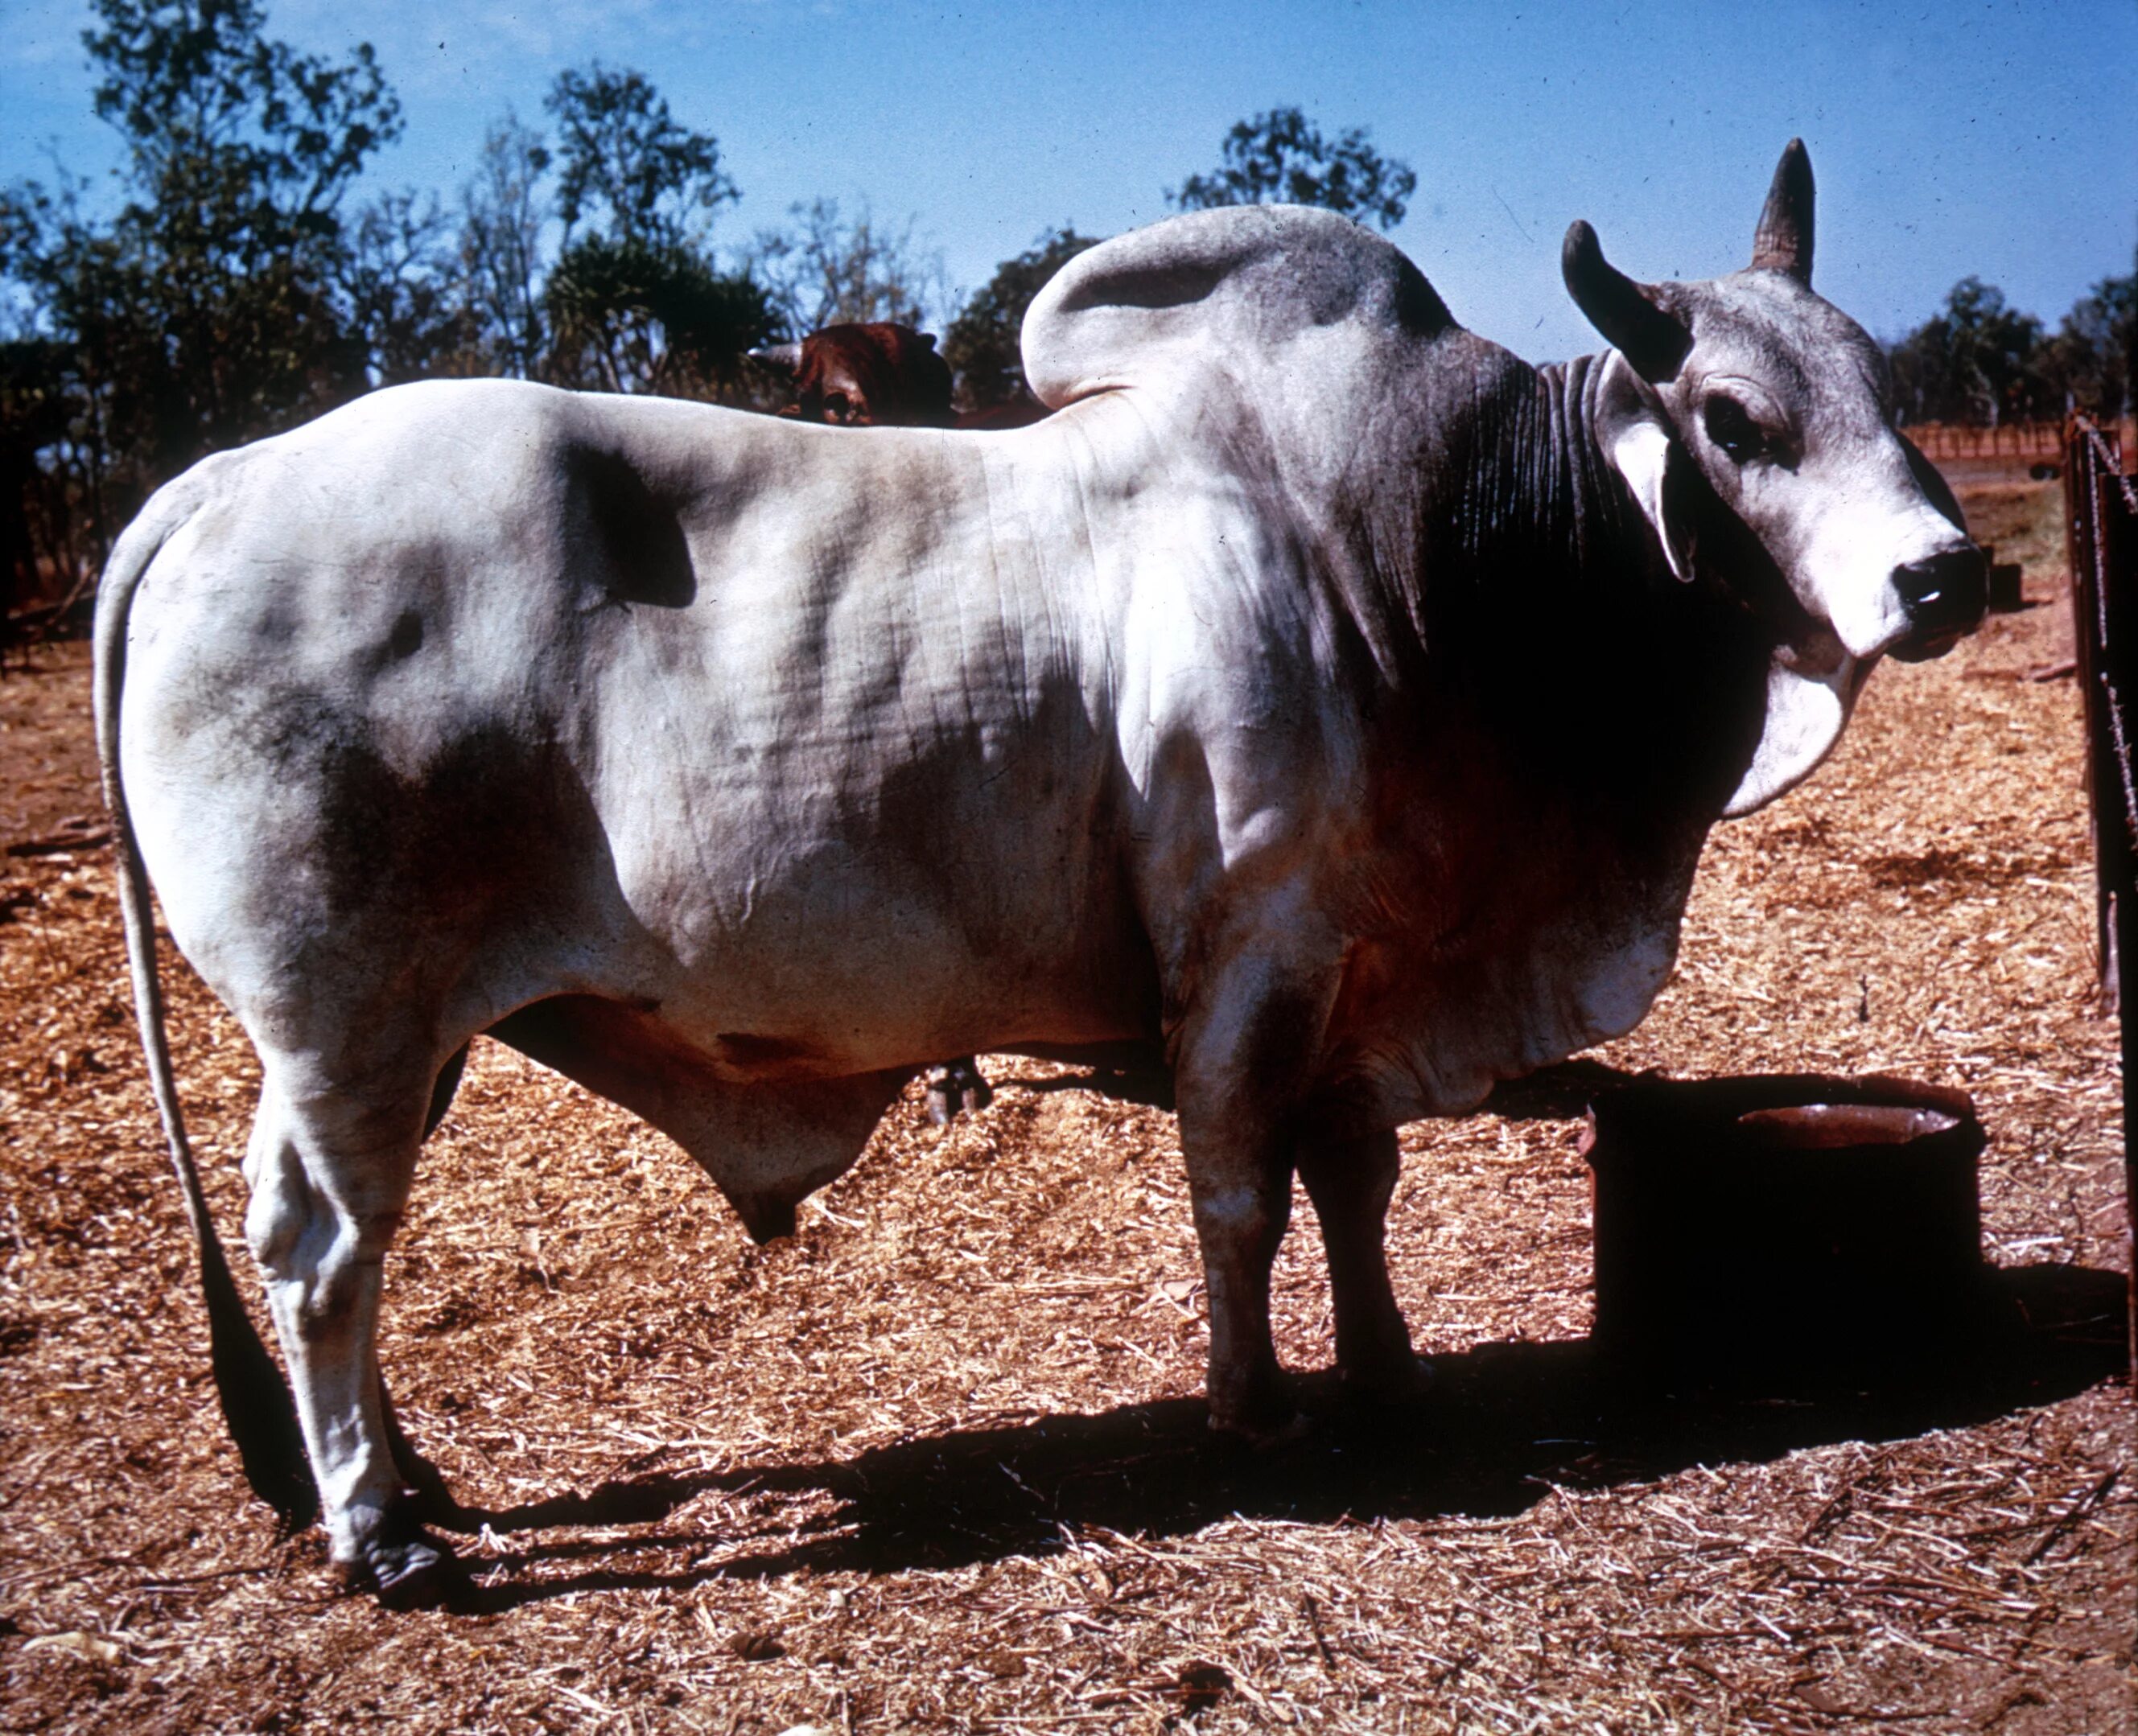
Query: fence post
x,y
2102,539
2081,517
2116,552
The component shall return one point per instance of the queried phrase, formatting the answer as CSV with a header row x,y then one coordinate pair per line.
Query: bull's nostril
x,y
1945,592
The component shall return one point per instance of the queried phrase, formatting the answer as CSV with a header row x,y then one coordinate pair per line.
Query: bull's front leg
x,y
1246,1056
1350,1183
1240,1188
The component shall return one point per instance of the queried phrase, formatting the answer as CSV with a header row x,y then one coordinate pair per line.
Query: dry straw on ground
x,y
938,1461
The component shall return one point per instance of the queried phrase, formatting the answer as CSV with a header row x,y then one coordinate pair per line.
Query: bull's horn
x,y
1624,311
1783,241
785,357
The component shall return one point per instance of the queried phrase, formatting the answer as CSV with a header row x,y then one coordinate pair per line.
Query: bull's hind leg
x,y
956,1088
1351,1182
329,1163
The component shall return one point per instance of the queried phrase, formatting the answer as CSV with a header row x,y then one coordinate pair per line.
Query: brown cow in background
x,y
877,375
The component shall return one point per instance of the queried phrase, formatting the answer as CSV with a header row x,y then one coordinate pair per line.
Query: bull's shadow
x,y
1503,1422
1560,1092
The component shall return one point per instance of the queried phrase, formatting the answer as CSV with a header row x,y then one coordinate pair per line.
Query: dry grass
x,y
937,1462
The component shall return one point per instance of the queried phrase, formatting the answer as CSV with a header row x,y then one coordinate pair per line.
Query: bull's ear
x,y
1783,241
1630,314
782,358
1636,437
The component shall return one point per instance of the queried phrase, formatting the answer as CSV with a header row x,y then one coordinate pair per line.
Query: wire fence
x,y
2043,441
2101,528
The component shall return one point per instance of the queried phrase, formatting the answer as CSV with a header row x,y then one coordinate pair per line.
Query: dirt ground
x,y
938,1461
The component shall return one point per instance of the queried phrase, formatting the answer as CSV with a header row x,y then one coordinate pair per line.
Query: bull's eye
x,y
1730,427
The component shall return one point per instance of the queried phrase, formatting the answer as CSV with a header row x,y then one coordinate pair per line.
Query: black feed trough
x,y
1785,1228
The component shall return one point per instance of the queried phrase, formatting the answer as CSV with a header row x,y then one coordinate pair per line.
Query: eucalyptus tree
x,y
1280,157
634,303
981,344
205,310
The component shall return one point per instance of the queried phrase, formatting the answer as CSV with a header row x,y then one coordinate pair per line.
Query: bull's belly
x,y
882,1006
843,961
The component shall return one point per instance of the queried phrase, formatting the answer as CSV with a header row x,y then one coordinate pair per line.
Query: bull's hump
x,y
1224,290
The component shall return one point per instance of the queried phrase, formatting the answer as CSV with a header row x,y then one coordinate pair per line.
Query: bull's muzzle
x,y
1945,596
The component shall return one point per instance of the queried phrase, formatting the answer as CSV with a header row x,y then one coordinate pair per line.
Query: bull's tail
x,y
255,1399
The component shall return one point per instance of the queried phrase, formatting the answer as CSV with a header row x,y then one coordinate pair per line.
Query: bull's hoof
x,y
1265,1434
1388,1383
407,1569
1259,1412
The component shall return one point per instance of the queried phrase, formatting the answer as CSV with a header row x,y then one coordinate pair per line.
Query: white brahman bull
x,y
1324,698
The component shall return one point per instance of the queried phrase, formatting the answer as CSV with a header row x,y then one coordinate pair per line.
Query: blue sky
x,y
1947,137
